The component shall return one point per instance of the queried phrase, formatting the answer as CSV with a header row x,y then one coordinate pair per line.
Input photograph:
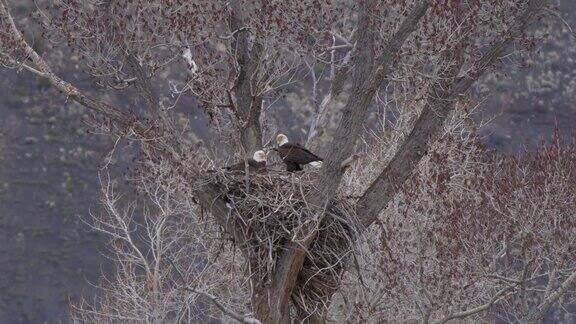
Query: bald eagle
x,y
295,155
257,163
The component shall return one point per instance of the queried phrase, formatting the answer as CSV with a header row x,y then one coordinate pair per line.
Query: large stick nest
x,y
271,211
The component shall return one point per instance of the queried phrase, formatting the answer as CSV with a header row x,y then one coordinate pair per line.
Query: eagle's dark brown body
x,y
295,155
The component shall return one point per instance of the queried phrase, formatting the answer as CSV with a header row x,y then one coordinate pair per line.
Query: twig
x,y
346,163
564,22
475,310
239,317
540,311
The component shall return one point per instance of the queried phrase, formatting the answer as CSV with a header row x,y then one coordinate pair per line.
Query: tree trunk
x,y
247,105
365,81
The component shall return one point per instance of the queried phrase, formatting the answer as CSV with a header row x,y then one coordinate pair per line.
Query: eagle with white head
x,y
295,155
257,163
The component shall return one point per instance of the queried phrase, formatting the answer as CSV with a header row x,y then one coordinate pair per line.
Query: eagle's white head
x,y
281,139
260,156
316,164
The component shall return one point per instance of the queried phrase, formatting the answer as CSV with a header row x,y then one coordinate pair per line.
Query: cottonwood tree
x,y
446,251
200,254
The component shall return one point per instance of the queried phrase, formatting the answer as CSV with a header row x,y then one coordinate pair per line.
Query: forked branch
x,y
208,197
42,69
431,121
365,81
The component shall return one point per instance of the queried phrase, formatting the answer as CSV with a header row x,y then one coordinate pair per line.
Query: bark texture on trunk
x,y
248,105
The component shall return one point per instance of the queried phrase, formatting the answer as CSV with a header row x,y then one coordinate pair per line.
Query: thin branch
x,y
431,120
562,20
538,313
67,88
327,106
237,316
143,85
209,195
461,315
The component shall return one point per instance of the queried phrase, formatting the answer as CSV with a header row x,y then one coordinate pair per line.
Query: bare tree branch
x,y
562,20
365,81
68,89
209,196
461,315
143,84
431,120
237,316
538,313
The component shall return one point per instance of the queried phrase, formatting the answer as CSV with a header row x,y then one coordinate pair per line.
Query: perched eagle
x,y
257,163
295,155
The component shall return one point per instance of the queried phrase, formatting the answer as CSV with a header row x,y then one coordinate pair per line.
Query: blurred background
x,y
49,163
